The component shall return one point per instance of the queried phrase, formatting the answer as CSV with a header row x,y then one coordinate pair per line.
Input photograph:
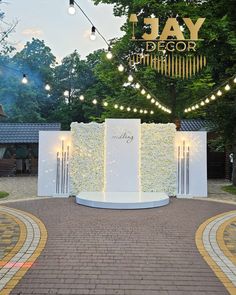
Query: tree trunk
x,y
234,162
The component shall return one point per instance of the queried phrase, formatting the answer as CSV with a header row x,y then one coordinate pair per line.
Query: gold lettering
x,y
179,48
161,46
170,46
172,29
154,22
150,46
194,28
192,46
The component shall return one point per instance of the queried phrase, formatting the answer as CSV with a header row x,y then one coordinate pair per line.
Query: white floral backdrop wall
x,y
87,159
158,165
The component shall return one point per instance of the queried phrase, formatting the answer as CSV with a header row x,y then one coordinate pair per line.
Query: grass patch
x,y
3,194
229,189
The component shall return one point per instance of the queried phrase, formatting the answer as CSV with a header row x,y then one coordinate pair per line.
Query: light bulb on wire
x,y
47,87
24,79
93,34
109,54
71,8
130,78
121,68
81,98
94,101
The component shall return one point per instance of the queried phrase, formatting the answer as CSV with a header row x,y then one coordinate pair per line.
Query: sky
x,y
50,21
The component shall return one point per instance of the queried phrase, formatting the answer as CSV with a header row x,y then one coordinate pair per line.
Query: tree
x,y
219,48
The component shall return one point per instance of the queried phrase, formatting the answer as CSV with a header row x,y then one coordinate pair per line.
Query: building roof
x,y
196,125
24,132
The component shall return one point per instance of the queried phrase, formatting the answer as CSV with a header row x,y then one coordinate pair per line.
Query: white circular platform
x,y
123,200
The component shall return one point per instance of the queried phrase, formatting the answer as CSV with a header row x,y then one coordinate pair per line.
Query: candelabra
x,y
183,164
62,170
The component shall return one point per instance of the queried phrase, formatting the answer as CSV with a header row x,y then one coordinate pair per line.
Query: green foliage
x,y
3,194
229,189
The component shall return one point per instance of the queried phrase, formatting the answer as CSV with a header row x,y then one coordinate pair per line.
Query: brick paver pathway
x,y
133,252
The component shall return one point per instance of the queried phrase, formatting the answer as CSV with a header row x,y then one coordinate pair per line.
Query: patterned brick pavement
x,y
139,252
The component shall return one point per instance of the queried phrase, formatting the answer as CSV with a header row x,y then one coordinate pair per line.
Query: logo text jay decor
x,y
169,51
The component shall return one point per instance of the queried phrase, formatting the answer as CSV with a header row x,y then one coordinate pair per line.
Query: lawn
x,y
3,194
229,189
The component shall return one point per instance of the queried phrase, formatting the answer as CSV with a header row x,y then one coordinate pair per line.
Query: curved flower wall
x,y
87,159
158,166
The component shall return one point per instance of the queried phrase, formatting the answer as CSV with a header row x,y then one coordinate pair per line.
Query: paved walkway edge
x,y
210,243
32,240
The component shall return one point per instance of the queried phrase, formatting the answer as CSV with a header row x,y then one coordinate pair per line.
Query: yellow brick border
x,y
43,239
220,240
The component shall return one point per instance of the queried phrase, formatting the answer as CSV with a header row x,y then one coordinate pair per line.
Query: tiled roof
x,y
196,125
24,132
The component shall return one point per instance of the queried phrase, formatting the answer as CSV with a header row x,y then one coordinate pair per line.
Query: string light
x,y
128,109
116,106
66,93
137,85
121,108
148,96
153,100
93,34
121,68
213,96
130,78
71,8
227,87
94,101
135,110
109,54
47,87
143,91
105,104
24,79
81,98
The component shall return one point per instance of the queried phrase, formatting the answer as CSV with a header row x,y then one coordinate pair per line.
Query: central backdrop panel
x,y
122,160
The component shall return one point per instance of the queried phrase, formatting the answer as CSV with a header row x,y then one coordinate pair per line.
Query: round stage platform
x,y
123,200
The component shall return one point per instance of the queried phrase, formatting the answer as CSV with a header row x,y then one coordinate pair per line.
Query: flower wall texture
x,y
158,166
87,159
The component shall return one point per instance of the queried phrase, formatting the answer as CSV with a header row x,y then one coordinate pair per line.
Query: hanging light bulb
x,y
197,106
219,93
137,85
213,97
157,103
193,108
227,87
116,106
141,111
135,110
153,100
121,68
94,101
105,104
202,103
185,110
145,111
71,8
66,93
121,108
93,33
24,79
128,109
148,96
47,87
81,97
143,91
109,54
235,80
189,110
130,78
151,112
